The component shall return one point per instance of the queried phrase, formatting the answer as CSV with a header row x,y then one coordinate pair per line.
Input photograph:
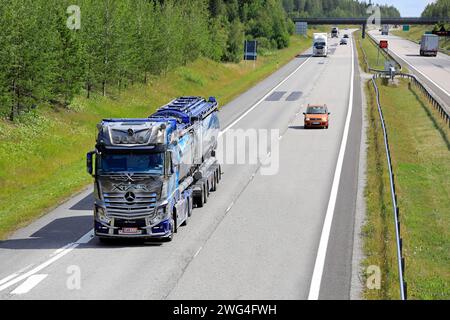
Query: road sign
x,y
406,28
301,28
384,44
251,50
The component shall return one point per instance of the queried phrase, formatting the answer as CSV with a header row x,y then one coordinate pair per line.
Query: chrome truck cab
x,y
143,171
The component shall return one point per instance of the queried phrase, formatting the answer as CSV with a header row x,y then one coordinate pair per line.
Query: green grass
x,y
416,32
419,142
42,155
375,58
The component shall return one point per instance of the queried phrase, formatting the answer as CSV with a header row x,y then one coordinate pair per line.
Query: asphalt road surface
x,y
283,236
434,71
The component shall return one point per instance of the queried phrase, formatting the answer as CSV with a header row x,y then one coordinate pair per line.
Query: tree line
x,y
120,42
438,9
334,8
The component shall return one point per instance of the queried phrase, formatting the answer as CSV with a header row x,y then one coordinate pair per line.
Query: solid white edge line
x,y
61,253
29,284
417,70
314,290
263,98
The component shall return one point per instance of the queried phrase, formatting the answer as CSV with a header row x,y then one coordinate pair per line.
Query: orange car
x,y
317,116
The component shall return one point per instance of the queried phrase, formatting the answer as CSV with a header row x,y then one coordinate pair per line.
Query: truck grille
x,y
123,205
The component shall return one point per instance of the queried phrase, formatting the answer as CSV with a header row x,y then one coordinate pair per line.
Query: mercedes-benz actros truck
x,y
150,173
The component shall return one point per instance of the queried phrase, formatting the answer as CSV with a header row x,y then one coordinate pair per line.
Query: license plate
x,y
316,123
130,231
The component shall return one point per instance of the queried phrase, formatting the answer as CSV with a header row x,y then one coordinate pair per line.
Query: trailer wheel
x,y
206,192
190,206
214,182
200,199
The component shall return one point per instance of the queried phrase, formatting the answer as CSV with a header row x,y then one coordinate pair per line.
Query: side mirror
x,y
90,162
170,163
304,113
329,113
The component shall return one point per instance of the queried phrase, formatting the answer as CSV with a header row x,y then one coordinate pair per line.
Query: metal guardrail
x,y
434,101
396,210
432,98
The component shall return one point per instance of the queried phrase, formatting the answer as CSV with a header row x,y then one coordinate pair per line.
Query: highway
x,y
283,236
434,71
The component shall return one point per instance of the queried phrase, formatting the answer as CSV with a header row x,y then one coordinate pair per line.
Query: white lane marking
x,y
198,252
29,284
8,278
417,70
55,257
316,280
263,98
229,207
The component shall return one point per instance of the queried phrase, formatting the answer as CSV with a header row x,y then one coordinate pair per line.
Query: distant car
x,y
316,116
343,41
346,36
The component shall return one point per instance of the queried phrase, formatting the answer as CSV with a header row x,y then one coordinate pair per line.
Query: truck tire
x,y
206,192
214,182
190,206
220,173
175,222
200,200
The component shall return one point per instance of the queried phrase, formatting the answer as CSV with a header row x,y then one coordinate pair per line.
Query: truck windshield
x,y
134,162
319,44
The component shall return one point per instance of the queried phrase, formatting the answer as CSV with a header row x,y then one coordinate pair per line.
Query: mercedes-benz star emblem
x,y
130,196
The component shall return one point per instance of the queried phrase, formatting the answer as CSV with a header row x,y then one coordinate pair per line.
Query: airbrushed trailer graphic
x,y
150,173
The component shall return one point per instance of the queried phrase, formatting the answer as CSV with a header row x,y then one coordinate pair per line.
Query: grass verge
x,y
420,147
42,155
375,58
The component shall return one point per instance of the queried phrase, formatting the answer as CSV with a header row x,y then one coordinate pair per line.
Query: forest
x,y
333,8
438,9
49,54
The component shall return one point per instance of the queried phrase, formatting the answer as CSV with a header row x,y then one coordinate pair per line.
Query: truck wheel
x,y
200,200
219,177
214,182
206,192
190,206
174,223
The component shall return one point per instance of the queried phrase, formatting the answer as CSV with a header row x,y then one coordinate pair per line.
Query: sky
x,y
407,8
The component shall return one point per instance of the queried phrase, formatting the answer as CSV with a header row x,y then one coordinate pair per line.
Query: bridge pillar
x,y
364,30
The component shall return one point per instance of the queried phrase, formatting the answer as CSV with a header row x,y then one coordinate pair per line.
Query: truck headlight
x,y
159,216
100,214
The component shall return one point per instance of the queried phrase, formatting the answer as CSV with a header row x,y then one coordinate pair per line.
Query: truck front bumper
x,y
140,230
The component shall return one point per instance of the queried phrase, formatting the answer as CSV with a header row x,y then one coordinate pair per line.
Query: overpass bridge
x,y
364,20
